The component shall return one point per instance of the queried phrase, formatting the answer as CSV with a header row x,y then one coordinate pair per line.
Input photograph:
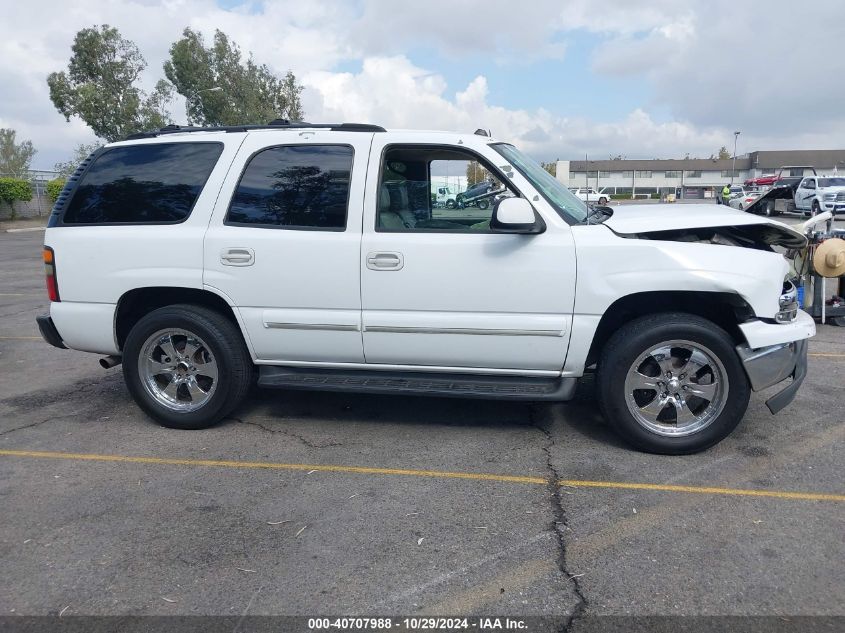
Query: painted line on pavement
x,y
438,474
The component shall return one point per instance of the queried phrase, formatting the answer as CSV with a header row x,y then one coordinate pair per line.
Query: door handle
x,y
238,256
385,261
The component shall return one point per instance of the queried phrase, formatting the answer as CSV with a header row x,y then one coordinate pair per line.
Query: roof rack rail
x,y
272,125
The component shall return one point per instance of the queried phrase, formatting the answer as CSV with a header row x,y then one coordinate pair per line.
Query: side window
x,y
810,184
145,183
294,187
436,189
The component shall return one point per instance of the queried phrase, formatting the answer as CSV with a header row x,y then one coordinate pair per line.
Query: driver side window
x,y
436,189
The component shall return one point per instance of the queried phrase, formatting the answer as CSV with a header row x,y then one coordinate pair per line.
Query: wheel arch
x,y
725,309
138,302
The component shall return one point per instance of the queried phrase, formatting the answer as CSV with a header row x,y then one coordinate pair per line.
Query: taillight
x,y
50,272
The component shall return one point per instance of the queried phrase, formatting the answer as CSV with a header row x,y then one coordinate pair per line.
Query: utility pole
x,y
733,169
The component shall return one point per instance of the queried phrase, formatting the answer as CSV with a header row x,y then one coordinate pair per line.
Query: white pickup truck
x,y
820,193
310,255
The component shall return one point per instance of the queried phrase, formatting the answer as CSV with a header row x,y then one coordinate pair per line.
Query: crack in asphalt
x,y
283,431
51,418
559,522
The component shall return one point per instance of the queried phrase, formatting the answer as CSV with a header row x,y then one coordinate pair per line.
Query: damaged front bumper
x,y
775,351
768,366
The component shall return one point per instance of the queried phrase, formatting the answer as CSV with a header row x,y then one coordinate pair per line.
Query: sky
x,y
559,78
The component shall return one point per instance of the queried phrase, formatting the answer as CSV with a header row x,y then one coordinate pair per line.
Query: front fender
x,y
610,267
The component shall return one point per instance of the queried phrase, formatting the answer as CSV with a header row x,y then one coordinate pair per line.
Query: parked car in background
x,y
742,201
589,194
815,194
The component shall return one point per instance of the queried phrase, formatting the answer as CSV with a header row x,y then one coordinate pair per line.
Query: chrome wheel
x,y
178,370
676,388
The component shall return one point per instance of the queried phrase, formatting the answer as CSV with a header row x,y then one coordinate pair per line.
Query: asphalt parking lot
x,y
324,504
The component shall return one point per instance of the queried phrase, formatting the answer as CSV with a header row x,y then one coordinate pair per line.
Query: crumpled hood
x,y
644,219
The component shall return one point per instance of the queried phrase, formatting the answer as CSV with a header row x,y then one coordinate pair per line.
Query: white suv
x,y
314,257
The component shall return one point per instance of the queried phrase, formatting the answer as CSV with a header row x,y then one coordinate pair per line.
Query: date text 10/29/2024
x,y
418,624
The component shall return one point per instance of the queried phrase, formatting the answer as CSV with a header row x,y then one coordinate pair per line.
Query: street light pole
x,y
733,168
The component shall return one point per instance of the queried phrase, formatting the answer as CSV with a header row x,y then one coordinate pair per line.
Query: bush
x,y
13,190
54,188
620,196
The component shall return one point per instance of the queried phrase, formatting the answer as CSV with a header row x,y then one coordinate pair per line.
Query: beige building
x,y
692,177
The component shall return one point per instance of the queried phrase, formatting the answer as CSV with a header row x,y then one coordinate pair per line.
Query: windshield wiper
x,y
599,213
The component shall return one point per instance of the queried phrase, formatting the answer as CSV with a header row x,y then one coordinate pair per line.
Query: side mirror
x,y
516,215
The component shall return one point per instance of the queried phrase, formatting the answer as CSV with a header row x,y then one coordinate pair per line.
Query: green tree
x,y
221,89
13,190
15,157
100,86
550,167
54,188
80,153
724,153
476,173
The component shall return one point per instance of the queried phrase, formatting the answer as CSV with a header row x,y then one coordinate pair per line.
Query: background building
x,y
691,177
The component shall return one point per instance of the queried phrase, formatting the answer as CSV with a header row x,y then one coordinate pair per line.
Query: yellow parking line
x,y
20,338
741,492
441,474
826,355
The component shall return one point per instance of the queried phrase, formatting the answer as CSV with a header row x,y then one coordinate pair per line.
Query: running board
x,y
418,383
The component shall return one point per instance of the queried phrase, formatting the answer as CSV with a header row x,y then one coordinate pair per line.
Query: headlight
x,y
788,303
830,196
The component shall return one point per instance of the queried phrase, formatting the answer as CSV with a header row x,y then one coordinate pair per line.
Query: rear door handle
x,y
237,256
385,261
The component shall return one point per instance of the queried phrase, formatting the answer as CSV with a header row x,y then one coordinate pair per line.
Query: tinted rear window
x,y
303,186
143,183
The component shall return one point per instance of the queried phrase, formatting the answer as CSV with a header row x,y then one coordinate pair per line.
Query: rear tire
x,y
603,201
648,376
186,366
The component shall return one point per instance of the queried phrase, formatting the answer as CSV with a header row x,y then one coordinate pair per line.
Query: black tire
x,y
450,204
226,344
816,208
603,201
482,204
637,337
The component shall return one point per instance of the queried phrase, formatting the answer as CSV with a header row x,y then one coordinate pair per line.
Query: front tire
x,y
816,208
672,383
186,366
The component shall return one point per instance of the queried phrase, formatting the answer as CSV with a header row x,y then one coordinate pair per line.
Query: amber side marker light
x,y
50,272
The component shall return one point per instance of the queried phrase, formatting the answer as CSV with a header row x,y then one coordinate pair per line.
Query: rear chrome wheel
x,y
186,365
178,369
676,388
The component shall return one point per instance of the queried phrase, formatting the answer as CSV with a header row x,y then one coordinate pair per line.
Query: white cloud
x,y
394,92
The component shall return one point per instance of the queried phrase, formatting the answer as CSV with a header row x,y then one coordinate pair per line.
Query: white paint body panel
x,y
99,264
299,277
759,334
643,218
453,286
86,326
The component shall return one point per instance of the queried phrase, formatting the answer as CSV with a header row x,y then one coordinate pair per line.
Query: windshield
x,y
831,182
556,194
